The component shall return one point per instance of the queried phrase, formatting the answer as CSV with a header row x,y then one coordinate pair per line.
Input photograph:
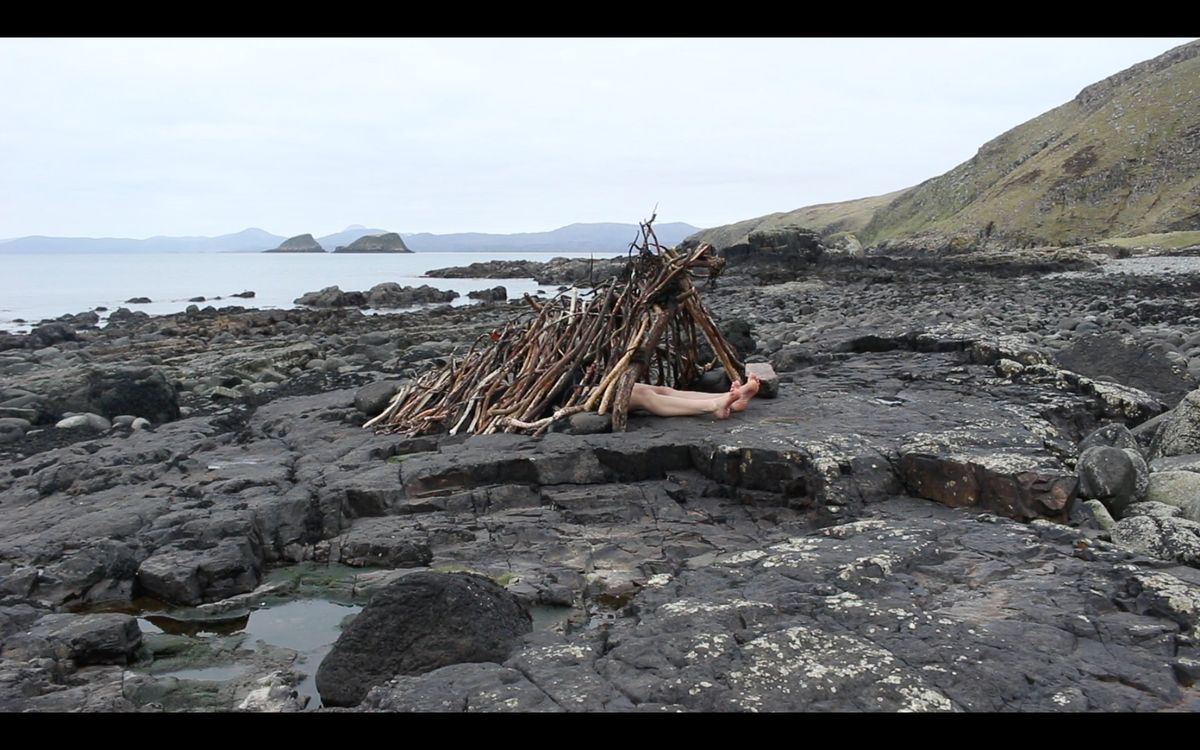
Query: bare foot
x,y
725,406
745,392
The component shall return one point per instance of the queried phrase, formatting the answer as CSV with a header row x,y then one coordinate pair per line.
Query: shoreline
x,y
813,528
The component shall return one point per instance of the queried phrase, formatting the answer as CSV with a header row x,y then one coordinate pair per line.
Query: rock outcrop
x,y
376,243
301,243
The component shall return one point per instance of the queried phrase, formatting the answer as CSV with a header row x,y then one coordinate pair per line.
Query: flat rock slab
x,y
85,639
915,608
841,432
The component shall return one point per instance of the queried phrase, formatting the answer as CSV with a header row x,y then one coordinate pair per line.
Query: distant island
x,y
388,242
302,243
591,237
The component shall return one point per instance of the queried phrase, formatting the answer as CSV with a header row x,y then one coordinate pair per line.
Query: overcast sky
x,y
141,137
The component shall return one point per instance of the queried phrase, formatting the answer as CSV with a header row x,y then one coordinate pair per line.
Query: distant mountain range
x,y
247,240
602,237
1118,163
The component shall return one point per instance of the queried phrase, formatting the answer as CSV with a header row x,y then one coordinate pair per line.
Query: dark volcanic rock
x,y
459,688
391,295
1180,489
1127,362
85,639
915,608
491,269
579,271
495,294
138,301
124,315
108,391
370,399
192,576
1166,538
9,341
382,542
421,622
1013,486
556,271
50,334
777,254
760,561
1114,435
1114,476
140,391
332,296
12,429
1180,433
739,332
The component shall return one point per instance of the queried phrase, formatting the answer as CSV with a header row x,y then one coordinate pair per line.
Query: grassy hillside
x,y
1122,159
825,218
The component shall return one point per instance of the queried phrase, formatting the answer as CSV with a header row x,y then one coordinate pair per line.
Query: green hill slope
x,y
824,218
1121,159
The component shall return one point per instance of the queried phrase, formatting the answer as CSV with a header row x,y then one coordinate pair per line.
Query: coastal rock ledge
x,y
899,529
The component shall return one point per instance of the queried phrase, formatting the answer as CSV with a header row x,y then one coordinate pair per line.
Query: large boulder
x,y
125,315
139,391
85,639
1166,538
12,429
1180,433
1114,435
371,399
1178,488
1129,362
390,294
111,391
495,294
193,576
1114,476
50,334
332,296
417,624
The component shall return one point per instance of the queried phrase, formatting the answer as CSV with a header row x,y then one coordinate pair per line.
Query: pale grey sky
x,y
141,137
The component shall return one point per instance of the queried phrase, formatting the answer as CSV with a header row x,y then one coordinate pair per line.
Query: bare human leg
x,y
644,397
664,390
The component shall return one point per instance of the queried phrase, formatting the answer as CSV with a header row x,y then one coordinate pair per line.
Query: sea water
x,y
34,287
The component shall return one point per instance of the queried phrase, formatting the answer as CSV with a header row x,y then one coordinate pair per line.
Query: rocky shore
x,y
978,488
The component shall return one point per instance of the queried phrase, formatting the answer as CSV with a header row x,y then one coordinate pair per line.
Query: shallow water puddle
x,y
209,674
307,626
229,650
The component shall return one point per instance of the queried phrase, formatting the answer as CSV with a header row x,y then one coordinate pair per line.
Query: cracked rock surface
x,y
885,535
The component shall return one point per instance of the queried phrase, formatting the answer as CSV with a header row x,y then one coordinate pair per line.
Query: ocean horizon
x,y
38,287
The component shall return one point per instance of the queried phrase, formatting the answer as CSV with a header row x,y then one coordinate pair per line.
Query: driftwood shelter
x,y
578,351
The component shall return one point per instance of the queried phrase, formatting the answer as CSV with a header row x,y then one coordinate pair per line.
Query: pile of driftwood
x,y
578,351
